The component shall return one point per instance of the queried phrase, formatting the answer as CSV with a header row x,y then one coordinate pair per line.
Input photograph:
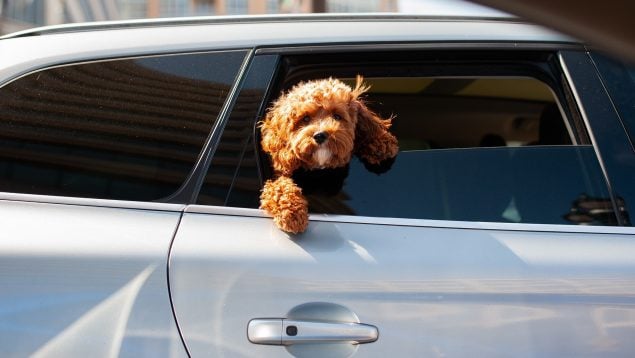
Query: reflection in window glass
x,y
124,129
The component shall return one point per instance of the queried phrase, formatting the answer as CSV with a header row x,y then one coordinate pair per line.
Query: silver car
x,y
130,173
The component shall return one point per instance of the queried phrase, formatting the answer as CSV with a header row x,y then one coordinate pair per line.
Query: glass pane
x,y
233,178
539,184
619,79
125,129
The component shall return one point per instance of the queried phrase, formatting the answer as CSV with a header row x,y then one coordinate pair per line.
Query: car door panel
x,y
431,287
86,280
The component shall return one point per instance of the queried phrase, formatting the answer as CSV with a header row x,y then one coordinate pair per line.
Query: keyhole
x,y
292,330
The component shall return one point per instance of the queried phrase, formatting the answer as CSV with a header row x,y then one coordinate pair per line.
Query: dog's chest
x,y
321,181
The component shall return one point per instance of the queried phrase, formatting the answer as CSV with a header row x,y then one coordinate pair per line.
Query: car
x,y
131,169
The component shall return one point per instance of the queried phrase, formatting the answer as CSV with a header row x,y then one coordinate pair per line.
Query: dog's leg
x,y
283,199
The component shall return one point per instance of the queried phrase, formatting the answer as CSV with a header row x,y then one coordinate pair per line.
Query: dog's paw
x,y
293,222
379,149
283,200
381,167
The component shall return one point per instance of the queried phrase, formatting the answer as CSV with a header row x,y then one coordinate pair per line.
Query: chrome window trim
x,y
102,203
443,224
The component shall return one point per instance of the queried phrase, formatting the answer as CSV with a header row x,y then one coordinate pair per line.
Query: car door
x,y
496,232
92,156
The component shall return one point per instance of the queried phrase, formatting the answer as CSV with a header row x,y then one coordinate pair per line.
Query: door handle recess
x,y
285,332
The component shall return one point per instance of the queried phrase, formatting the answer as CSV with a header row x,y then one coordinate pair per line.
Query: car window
x,y
482,136
619,79
233,177
128,129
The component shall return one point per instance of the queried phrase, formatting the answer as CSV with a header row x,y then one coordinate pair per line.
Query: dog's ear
x,y
374,144
275,141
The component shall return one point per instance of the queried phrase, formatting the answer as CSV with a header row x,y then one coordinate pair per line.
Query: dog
x,y
318,125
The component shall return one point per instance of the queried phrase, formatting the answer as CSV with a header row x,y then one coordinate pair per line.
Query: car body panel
x,y
429,287
85,280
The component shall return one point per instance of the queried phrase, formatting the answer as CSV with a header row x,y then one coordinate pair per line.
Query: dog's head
x,y
320,124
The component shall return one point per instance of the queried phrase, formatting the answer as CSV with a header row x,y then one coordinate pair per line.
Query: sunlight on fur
x,y
316,125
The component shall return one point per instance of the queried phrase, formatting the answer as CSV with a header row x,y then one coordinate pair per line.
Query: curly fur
x,y
317,125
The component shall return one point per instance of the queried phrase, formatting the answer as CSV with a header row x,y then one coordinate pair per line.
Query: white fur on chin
x,y
322,156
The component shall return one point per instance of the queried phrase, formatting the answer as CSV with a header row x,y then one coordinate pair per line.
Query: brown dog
x,y
317,125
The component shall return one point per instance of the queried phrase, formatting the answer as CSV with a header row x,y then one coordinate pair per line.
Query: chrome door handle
x,y
282,331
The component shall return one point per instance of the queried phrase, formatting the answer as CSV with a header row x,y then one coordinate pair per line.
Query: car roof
x,y
219,20
49,46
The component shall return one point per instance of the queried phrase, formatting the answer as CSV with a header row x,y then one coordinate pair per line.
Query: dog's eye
x,y
306,119
337,117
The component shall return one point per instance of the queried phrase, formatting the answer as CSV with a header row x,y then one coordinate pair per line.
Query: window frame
x,y
568,96
265,65
184,194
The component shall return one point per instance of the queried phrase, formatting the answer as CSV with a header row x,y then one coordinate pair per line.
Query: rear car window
x,y
128,129
483,136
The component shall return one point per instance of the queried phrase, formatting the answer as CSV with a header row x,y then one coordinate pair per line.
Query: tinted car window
x,y
233,178
126,129
515,184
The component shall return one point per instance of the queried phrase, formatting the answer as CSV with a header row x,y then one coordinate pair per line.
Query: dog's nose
x,y
320,137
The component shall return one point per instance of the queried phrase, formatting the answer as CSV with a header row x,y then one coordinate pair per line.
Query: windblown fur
x,y
318,124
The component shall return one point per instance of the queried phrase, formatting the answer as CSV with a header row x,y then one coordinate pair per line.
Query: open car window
x,y
483,136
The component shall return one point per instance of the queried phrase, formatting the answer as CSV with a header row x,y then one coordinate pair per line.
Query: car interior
x,y
470,112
